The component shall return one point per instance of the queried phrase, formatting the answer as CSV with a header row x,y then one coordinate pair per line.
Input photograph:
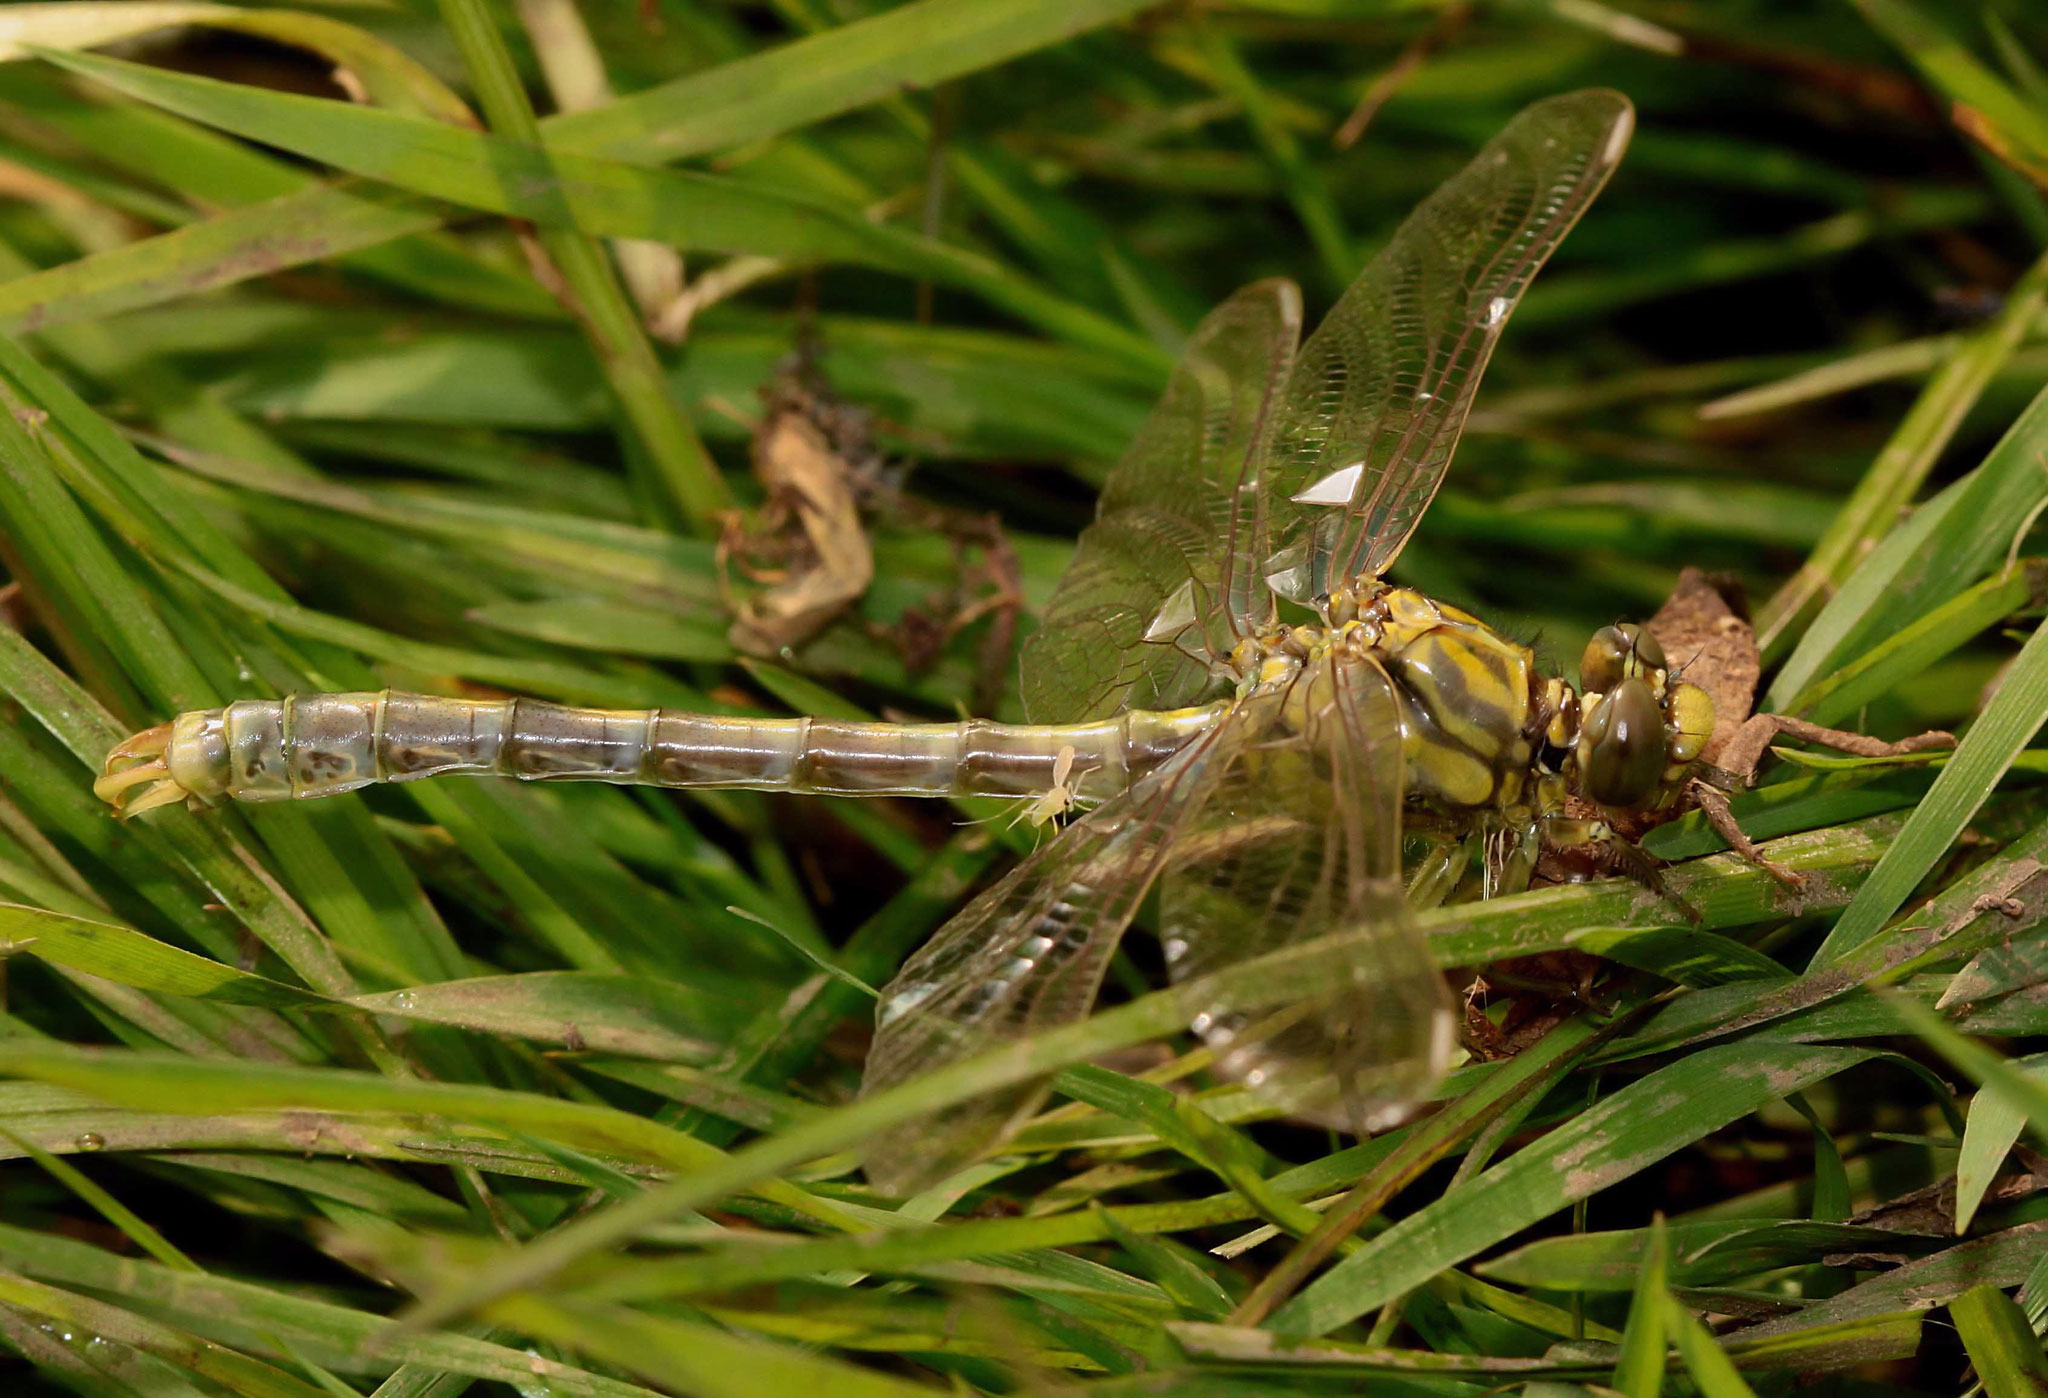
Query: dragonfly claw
x,y
138,761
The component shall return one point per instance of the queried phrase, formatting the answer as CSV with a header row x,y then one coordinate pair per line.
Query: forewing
x,y
1025,956
1378,395
1296,858
1152,564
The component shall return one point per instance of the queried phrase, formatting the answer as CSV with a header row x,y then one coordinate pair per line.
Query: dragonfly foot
x,y
1713,804
138,761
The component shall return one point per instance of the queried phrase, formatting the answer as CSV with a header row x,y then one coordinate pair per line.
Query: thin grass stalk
x,y
691,488
1901,468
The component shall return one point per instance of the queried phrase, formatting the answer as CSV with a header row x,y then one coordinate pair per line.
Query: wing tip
x,y
1619,134
1602,105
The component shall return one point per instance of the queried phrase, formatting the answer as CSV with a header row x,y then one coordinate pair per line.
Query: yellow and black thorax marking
x,y
1468,700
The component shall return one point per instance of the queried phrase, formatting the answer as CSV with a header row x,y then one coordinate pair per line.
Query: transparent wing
x,y
1297,857
1379,394
1028,954
1141,608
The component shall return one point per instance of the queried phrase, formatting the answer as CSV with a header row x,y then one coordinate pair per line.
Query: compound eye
x,y
1692,721
1603,664
1615,653
1622,747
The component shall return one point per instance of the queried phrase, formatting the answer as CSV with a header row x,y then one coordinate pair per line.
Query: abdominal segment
x,y
318,744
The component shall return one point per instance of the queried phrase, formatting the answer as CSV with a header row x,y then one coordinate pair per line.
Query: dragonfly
x,y
1253,717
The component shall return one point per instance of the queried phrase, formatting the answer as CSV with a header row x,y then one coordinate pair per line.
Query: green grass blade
x,y
1704,1359
636,1015
188,1351
320,222
1644,1121
916,45
1991,1130
1304,184
1913,648
122,954
153,1080
1984,107
694,489
693,1358
389,76
1949,543
600,197
2003,1348
333,1331
1896,476
2012,718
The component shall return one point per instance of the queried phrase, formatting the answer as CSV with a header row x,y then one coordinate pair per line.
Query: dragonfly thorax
x,y
1481,728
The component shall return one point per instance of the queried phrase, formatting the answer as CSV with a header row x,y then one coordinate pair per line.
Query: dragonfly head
x,y
1639,730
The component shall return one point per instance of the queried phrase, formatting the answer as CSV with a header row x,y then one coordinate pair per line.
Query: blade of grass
x,y
1149,1017
125,955
1302,181
640,1016
1905,359
685,470
694,1358
2007,724
217,172
1910,650
1704,1359
1985,108
600,197
188,1351
1950,542
1991,1130
918,45
2025,1090
335,1331
2003,1348
748,99
1264,1352
1639,1368
1614,1139
1708,1253
1897,474
1513,1089
1582,296
323,221
1995,901
575,73
191,1087
132,1225
2002,1259
388,75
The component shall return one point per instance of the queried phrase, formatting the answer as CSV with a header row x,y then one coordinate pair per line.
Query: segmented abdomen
x,y
316,744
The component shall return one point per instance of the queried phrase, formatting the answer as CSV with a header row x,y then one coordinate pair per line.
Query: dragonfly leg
x,y
1713,804
1511,859
1438,873
1736,766
1746,749
1578,849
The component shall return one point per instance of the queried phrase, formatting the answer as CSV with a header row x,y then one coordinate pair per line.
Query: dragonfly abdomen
x,y
311,745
